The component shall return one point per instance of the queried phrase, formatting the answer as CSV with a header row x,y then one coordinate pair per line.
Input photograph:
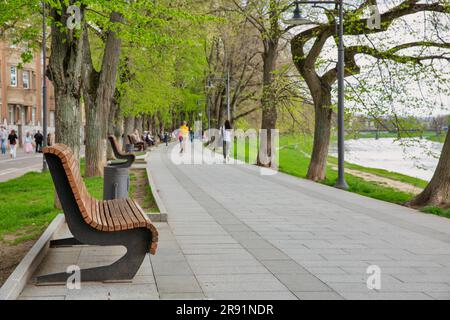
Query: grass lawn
x,y
141,191
294,160
26,204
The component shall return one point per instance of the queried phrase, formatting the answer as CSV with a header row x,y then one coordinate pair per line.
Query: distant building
x,y
21,89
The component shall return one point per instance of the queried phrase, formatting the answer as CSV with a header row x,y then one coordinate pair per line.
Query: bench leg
x,y
123,269
67,242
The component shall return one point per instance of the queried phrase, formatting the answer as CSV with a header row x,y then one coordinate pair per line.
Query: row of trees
x,y
142,63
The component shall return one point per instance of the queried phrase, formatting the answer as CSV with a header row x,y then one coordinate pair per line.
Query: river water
x,y
413,157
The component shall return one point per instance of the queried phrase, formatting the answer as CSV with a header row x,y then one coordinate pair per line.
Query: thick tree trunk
x,y
437,192
64,70
138,122
268,104
128,127
100,89
322,130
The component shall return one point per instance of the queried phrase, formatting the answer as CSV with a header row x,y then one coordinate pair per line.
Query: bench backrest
x,y
72,170
130,157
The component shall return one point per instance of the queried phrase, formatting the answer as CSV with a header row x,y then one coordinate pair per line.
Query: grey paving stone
x,y
251,295
267,254
242,286
233,269
385,296
321,295
166,268
182,296
284,267
302,282
177,284
31,290
42,298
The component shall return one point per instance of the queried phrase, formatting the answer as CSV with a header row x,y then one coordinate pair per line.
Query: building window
x,y
26,79
13,82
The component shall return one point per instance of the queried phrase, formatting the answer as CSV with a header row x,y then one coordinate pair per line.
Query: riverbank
x,y
294,153
429,135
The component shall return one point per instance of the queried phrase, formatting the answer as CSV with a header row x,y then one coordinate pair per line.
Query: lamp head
x,y
297,18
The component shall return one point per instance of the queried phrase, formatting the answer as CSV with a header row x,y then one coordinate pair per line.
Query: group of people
x,y
11,139
142,141
225,132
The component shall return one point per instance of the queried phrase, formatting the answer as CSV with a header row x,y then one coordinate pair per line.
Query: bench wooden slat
x,y
137,213
115,213
105,213
128,210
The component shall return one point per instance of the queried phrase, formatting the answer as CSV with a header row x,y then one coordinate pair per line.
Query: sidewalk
x,y
234,234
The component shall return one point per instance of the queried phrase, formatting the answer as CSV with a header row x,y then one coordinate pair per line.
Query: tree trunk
x,y
128,127
268,104
437,192
119,127
322,130
64,70
99,92
138,124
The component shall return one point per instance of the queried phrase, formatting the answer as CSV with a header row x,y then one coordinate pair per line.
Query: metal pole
x,y
340,183
44,85
209,116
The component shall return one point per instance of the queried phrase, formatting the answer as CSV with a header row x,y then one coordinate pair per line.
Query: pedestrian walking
x,y
38,138
191,134
3,137
166,138
28,143
182,136
226,138
12,139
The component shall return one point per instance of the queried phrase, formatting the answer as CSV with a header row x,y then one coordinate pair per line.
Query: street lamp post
x,y
44,85
297,19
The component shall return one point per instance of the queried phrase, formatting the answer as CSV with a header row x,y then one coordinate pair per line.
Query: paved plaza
x,y
233,233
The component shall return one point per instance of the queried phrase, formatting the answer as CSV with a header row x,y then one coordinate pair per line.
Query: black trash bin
x,y
116,183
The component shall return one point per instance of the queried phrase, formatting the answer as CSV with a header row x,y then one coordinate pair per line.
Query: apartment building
x,y
21,89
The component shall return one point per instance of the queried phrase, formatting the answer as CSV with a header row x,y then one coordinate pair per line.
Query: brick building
x,y
21,89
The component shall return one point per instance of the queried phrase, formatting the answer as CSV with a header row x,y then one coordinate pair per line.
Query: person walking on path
x,y
226,138
166,138
12,139
3,137
191,135
38,138
28,143
182,136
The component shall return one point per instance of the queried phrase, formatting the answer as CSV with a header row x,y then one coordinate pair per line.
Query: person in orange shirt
x,y
182,136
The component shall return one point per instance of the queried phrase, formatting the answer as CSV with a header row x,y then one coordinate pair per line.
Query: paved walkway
x,y
235,234
244,235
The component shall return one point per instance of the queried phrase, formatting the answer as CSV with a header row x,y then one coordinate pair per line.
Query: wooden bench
x,y
94,222
138,145
129,157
